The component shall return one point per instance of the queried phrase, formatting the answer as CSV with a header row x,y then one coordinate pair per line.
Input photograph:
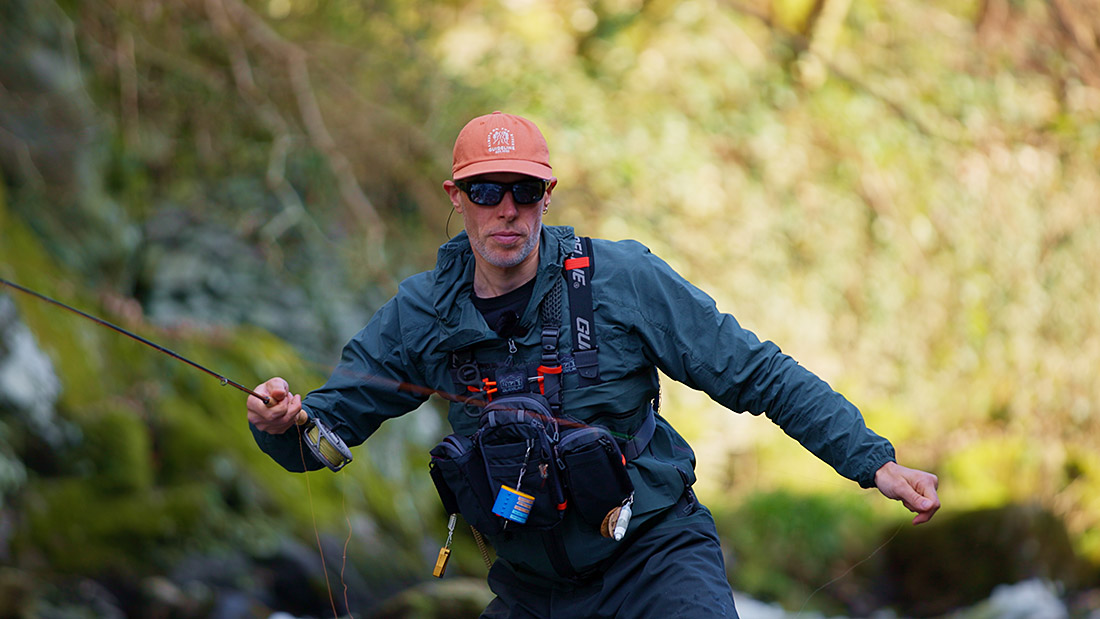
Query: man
x,y
491,310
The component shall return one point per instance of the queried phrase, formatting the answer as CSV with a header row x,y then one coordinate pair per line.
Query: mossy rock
x,y
185,442
118,447
958,559
78,529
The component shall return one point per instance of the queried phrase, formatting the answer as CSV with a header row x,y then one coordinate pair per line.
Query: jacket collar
x,y
453,283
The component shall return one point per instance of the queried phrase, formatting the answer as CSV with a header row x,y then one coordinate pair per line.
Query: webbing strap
x,y
635,446
579,270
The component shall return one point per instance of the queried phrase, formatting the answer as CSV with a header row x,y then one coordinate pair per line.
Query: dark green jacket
x,y
646,316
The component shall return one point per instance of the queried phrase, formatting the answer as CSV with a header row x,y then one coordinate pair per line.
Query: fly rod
x,y
100,321
325,444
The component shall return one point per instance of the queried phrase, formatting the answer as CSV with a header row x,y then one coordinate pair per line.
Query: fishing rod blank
x,y
325,444
100,321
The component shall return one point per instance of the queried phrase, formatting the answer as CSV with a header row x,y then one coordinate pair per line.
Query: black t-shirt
x,y
502,313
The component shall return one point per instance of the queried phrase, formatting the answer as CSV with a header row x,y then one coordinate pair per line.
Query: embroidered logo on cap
x,y
501,140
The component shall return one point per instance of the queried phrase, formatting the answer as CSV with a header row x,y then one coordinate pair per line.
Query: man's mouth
x,y
506,237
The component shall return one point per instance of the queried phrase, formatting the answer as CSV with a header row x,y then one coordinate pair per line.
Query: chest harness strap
x,y
578,270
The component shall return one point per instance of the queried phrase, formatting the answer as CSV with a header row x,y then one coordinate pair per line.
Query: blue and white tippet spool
x,y
513,504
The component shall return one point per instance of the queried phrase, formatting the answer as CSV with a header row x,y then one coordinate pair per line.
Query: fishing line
x,y
849,570
347,541
317,531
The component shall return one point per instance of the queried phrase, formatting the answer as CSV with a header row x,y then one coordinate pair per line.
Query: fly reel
x,y
326,445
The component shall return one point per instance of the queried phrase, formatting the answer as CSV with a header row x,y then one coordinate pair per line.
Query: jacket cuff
x,y
287,449
876,461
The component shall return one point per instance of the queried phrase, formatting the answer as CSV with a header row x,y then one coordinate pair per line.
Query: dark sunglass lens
x,y
486,194
527,192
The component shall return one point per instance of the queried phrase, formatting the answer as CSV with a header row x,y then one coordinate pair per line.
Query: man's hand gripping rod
x,y
324,444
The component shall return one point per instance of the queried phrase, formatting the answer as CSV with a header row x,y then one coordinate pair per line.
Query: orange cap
x,y
500,142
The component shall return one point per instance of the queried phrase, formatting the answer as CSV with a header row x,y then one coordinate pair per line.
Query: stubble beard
x,y
506,259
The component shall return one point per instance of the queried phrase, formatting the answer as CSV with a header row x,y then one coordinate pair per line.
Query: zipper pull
x,y
512,348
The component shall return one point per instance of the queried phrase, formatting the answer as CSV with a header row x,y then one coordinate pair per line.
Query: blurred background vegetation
x,y
903,195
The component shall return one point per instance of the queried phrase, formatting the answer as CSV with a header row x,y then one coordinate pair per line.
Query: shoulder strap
x,y
578,273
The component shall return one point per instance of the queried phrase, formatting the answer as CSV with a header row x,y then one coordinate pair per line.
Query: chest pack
x,y
528,463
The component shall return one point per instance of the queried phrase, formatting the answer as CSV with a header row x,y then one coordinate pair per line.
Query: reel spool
x,y
325,445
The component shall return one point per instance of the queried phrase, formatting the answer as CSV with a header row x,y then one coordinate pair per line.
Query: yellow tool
x,y
445,551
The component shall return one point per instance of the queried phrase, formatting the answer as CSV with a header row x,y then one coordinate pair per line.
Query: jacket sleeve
x,y
692,342
364,389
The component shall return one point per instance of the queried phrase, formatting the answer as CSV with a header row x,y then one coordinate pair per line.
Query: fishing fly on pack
x,y
325,445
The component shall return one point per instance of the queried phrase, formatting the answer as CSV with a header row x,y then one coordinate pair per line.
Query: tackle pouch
x,y
458,471
595,471
516,440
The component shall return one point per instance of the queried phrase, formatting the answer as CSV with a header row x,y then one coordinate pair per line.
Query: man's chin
x,y
504,256
505,260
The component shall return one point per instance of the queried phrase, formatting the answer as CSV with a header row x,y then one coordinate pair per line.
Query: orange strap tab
x,y
576,263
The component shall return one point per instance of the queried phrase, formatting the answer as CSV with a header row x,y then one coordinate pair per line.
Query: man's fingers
x,y
925,502
925,488
911,498
276,389
914,488
281,409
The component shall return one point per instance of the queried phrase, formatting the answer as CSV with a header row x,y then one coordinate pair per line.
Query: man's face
x,y
507,234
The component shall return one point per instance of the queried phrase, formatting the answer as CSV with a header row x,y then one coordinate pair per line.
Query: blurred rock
x,y
29,389
1031,599
195,272
749,608
78,599
15,592
449,598
28,382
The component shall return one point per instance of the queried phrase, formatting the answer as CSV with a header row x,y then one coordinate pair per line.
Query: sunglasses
x,y
488,193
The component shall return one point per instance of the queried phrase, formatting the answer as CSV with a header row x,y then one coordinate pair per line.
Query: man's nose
x,y
507,207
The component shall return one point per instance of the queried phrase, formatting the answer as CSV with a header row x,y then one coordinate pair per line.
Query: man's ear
x,y
455,194
550,188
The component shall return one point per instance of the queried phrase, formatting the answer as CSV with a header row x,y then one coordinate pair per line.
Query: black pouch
x,y
595,471
458,472
516,441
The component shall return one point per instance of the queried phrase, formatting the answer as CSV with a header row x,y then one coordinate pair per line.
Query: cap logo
x,y
501,141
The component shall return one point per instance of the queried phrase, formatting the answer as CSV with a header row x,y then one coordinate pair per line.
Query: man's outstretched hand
x,y
915,489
